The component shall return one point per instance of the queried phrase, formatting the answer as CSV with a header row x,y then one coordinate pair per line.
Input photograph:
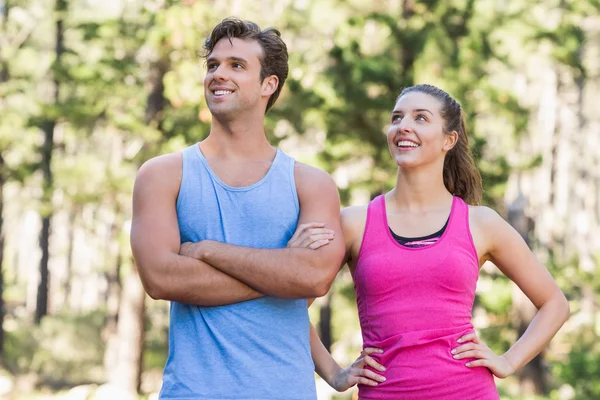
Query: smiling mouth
x,y
221,93
407,144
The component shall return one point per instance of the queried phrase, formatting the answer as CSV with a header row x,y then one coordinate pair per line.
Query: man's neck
x,y
239,139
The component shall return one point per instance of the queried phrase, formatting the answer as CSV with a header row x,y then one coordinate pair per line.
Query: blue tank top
x,y
253,350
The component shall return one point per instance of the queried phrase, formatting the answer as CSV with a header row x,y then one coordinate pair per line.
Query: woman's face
x,y
416,133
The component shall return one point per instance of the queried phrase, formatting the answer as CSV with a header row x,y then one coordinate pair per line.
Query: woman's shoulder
x,y
354,219
484,215
485,220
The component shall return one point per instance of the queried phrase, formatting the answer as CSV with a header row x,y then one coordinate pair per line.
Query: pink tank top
x,y
414,303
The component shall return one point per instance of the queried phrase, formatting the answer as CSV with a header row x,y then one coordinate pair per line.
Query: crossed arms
x,y
210,273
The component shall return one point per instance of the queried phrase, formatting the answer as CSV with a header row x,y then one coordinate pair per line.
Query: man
x,y
239,325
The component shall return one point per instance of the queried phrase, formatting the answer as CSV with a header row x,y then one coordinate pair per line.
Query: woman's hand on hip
x,y
358,373
484,356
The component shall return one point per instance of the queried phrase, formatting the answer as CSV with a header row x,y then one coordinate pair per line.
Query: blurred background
x,y
90,89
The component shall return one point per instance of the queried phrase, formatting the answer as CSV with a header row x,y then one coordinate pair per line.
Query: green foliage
x,y
349,61
65,350
582,368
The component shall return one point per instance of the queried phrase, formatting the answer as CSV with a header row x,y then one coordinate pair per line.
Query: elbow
x,y
320,285
155,292
320,291
565,308
153,286
559,306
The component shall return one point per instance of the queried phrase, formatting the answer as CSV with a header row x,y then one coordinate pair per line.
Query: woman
x,y
415,253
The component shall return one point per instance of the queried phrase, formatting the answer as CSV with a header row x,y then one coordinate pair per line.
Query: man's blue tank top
x,y
254,350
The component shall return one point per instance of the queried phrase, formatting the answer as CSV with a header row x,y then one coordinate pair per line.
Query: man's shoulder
x,y
160,169
158,163
309,175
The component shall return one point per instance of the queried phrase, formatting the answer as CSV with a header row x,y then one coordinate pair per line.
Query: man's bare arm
x,y
289,272
155,242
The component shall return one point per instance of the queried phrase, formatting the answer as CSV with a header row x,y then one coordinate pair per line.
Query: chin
x,y
405,163
221,110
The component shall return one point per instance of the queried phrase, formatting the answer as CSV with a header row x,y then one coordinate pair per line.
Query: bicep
x,y
509,252
319,202
154,230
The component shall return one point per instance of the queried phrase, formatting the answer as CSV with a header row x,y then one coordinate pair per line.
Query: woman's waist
x,y
385,338
382,326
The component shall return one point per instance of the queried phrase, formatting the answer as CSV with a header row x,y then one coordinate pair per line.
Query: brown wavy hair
x,y
275,55
461,176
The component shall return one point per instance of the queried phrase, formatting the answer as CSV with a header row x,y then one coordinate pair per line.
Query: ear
x,y
450,141
269,85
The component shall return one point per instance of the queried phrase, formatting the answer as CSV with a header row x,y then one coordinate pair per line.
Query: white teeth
x,y
222,92
407,143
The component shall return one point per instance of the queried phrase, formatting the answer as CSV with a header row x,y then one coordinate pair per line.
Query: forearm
x,y
284,273
325,366
191,281
548,320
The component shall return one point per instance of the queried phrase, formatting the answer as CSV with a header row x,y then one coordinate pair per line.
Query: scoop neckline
x,y
236,188
400,246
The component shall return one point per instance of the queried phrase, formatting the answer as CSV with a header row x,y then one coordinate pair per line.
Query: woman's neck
x,y
420,189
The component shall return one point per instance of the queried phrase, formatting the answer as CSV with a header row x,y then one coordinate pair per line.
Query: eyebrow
x,y
423,109
415,110
233,58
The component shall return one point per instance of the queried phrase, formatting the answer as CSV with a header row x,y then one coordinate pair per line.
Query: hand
x,y
357,373
485,357
190,249
311,236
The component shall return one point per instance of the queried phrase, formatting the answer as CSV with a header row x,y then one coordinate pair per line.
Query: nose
x,y
405,125
219,73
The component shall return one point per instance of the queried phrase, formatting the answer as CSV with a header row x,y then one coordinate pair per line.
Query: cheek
x,y
391,132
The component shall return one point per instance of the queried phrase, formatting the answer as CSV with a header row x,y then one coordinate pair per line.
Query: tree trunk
x,y
408,54
47,149
127,371
68,283
113,293
130,328
532,377
2,306
325,322
4,76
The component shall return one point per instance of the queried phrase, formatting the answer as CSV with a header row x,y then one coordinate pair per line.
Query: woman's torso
x,y
414,303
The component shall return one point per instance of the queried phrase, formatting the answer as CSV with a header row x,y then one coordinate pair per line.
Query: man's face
x,y
232,84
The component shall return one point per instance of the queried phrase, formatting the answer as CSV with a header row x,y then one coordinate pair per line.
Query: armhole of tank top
x,y
183,176
365,231
469,235
293,184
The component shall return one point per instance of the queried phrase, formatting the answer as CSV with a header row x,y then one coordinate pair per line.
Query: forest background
x,y
89,90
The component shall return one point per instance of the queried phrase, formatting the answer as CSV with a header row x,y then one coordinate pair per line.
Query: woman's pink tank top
x,y
414,303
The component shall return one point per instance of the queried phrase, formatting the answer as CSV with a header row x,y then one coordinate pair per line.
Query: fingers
x,y
373,364
365,377
371,350
463,348
303,227
469,337
470,354
318,243
311,236
185,249
484,362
